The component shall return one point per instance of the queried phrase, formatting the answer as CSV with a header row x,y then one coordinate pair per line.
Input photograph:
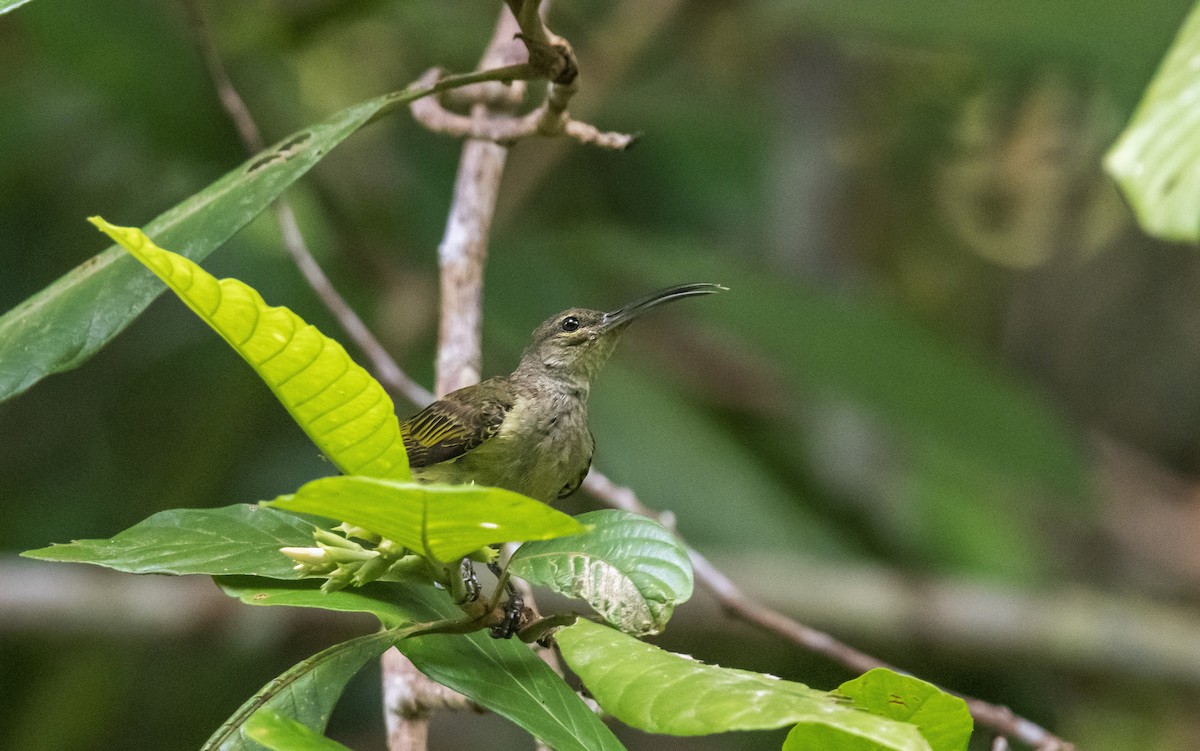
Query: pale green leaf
x,y
62,326
344,410
944,720
307,692
629,568
7,5
817,737
237,539
659,692
272,730
1156,160
502,675
443,522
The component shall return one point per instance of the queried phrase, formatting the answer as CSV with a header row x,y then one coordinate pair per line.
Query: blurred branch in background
x,y
1075,629
36,597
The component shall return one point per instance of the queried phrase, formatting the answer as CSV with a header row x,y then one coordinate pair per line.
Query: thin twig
x,y
552,58
738,605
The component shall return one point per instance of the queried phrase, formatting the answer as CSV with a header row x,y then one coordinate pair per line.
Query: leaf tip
x,y
124,236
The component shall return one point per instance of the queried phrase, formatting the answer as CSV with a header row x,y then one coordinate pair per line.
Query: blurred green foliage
x,y
937,303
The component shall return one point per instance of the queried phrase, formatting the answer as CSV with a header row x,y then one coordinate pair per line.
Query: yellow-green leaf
x,y
343,409
443,522
1156,160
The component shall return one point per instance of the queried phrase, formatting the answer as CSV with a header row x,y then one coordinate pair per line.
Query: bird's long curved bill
x,y
670,294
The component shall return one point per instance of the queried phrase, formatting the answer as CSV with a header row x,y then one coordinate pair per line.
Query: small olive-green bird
x,y
528,431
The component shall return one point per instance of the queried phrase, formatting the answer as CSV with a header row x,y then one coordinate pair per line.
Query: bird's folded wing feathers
x,y
451,427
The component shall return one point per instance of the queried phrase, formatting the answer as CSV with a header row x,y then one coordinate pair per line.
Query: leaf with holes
x,y
629,568
659,692
1156,160
343,409
66,323
442,522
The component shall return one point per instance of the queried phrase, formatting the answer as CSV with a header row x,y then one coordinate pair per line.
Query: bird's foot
x,y
471,586
514,608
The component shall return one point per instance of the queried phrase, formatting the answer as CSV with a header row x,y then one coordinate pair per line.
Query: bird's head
x,y
576,342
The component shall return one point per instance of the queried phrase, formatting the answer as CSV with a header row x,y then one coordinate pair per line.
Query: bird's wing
x,y
451,427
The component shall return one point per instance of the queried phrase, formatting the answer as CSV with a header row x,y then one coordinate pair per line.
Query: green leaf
x,y
629,568
66,323
307,692
1156,160
444,522
7,5
344,410
813,737
944,720
238,539
270,729
502,675
387,601
659,692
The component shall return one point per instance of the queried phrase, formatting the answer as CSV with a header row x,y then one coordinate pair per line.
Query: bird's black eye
x,y
570,323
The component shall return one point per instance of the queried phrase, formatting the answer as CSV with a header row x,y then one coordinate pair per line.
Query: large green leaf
x,y
443,522
944,720
237,539
272,730
344,410
307,692
629,568
1156,160
659,692
500,674
62,326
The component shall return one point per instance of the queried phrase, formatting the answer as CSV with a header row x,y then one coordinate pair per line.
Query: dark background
x,y
948,410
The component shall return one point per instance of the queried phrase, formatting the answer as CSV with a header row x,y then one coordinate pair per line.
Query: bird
x,y
528,431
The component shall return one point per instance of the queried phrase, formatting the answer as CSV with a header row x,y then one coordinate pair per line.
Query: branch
x,y
550,57
737,605
461,257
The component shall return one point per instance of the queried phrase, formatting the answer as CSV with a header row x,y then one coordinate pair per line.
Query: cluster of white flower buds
x,y
344,561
